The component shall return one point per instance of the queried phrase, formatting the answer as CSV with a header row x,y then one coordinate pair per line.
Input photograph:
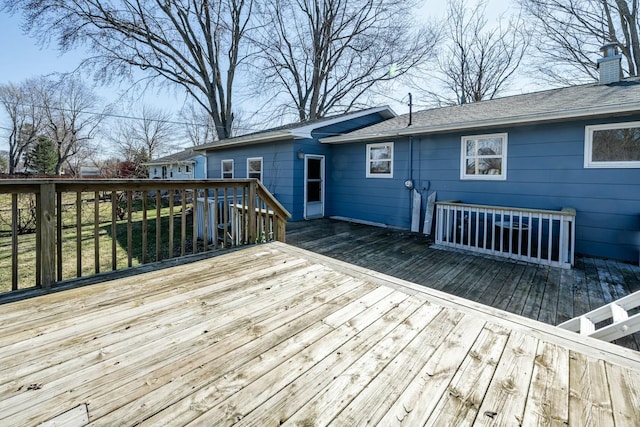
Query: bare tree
x,y
324,56
195,44
477,60
21,102
141,138
198,124
71,116
570,34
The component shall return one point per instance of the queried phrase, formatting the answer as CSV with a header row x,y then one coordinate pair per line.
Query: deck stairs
x,y
609,322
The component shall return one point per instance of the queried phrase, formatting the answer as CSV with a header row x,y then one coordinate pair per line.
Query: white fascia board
x,y
580,113
305,131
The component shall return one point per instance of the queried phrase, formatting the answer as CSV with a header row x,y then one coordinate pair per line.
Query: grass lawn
x,y
27,242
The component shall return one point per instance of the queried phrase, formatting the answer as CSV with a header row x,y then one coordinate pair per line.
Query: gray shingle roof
x,y
550,105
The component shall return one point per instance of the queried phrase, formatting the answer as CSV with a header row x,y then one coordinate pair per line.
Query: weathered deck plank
x,y
296,338
550,295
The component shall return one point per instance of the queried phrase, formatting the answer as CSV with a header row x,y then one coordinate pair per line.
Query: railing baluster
x,y
58,235
205,218
183,223
78,234
194,214
114,231
171,223
14,241
158,225
96,232
143,255
550,240
129,229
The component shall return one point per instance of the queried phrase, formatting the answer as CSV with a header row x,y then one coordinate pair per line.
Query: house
x,y
187,164
289,160
575,147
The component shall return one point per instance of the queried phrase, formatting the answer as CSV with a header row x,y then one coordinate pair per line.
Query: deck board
x,y
551,295
293,337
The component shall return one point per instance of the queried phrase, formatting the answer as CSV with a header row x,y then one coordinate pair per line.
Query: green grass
x,y
27,242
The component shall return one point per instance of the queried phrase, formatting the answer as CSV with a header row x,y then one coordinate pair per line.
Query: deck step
x,y
619,323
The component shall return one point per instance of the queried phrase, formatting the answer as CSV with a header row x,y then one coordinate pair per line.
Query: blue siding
x,y
544,171
283,172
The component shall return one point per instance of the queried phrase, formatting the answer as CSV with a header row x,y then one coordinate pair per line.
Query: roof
x,y
185,156
297,130
591,100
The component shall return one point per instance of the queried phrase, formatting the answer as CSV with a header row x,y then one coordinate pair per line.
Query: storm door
x,y
314,186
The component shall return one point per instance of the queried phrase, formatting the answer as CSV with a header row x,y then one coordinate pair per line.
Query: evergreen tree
x,y
42,157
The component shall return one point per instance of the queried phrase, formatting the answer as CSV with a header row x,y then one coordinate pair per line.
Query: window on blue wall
x,y
187,168
484,157
380,160
614,145
254,167
227,169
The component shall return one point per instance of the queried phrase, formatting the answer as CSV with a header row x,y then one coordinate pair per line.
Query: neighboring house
x,y
575,147
187,164
90,172
289,160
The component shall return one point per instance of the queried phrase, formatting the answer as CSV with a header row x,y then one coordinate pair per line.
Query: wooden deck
x,y
275,335
548,294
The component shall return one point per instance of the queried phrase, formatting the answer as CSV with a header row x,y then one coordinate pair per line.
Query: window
x,y
484,157
227,169
179,169
187,168
612,146
380,160
254,167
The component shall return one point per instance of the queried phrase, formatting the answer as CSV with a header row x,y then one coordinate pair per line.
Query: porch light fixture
x,y
300,154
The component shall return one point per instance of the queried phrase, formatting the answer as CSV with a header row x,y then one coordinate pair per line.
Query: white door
x,y
313,186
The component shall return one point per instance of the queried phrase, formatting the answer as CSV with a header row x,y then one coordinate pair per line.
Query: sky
x,y
23,58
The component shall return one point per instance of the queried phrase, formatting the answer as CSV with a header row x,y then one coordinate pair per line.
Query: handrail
x,y
141,219
533,235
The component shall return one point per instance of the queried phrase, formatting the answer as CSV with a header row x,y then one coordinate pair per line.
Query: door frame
x,y
321,157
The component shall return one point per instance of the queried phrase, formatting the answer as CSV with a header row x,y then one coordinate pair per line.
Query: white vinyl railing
x,y
539,236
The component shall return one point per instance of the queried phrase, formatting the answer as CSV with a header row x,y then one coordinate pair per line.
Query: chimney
x,y
609,65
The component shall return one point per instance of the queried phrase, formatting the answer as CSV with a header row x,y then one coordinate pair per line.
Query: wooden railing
x,y
539,236
53,230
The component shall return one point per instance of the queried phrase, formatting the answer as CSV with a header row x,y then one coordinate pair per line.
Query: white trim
x,y
301,132
222,168
463,158
588,147
253,159
322,180
369,160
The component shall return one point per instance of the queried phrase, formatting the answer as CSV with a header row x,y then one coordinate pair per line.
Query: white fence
x,y
539,236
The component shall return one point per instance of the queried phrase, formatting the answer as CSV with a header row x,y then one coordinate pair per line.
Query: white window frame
x,y
222,162
369,160
463,158
253,159
588,147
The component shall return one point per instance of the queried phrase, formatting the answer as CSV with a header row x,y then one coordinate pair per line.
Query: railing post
x,y
47,233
